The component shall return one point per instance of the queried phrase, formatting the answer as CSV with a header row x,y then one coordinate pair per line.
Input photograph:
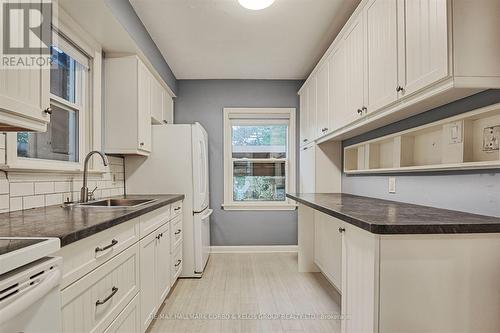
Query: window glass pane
x,y
63,75
60,142
259,141
259,181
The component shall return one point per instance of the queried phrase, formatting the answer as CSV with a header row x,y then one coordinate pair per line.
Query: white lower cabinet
x,y
328,247
94,301
155,272
117,279
129,320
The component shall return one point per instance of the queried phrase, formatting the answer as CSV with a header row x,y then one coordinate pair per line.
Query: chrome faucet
x,y
84,192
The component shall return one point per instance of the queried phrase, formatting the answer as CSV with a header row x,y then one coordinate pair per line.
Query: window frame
x,y
255,116
89,114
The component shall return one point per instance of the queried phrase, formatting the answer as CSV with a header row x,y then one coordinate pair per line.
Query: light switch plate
x,y
392,184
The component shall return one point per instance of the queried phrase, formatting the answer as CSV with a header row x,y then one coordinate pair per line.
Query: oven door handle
x,y
37,292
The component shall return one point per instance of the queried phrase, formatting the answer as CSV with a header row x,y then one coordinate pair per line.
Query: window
x,y
259,158
68,91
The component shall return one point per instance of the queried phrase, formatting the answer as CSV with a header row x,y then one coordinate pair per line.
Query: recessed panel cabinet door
x,y
382,53
163,263
355,79
311,109
307,172
149,297
304,126
322,113
339,115
424,26
144,106
328,246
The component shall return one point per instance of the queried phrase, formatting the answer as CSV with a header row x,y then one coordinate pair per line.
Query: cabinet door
x,y
24,93
339,114
381,52
311,109
424,27
149,297
144,108
307,172
168,108
304,126
359,279
328,247
355,84
322,100
156,93
163,263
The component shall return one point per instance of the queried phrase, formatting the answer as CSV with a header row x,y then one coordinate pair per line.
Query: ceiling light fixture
x,y
256,4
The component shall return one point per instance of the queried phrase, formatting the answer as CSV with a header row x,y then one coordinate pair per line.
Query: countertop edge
x,y
92,230
410,229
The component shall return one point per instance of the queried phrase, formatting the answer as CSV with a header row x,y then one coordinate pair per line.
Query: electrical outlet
x,y
491,138
392,184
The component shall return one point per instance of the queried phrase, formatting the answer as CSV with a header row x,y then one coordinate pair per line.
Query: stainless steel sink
x,y
117,203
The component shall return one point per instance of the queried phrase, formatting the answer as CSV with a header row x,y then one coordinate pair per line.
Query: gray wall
x,y
126,15
475,192
203,101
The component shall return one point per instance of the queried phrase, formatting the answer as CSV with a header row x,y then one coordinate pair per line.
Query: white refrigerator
x,y
178,164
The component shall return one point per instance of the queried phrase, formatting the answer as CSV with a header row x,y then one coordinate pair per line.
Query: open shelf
x,y
466,141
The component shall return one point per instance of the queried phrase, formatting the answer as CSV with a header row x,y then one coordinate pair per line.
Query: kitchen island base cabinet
x,y
405,283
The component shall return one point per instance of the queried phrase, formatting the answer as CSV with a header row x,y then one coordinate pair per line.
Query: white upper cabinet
x,y
127,114
24,99
337,91
156,94
304,117
311,109
322,97
424,32
168,108
144,106
381,24
397,58
355,74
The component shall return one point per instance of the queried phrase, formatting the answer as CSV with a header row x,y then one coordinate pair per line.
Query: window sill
x,y
250,207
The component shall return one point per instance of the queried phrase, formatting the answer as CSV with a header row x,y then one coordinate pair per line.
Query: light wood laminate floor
x,y
238,288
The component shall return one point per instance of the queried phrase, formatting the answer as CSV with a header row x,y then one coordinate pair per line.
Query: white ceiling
x,y
219,39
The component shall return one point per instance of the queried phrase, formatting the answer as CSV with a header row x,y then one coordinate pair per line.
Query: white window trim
x,y
259,113
89,121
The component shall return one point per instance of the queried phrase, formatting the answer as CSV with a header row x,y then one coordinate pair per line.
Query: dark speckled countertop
x,y
391,217
71,224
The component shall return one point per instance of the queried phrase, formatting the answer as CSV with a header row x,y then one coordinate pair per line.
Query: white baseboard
x,y
254,249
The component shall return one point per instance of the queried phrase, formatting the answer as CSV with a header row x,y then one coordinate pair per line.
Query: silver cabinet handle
x,y
141,144
177,232
364,109
177,208
399,88
114,290
48,110
360,112
305,140
113,243
341,230
178,263
324,130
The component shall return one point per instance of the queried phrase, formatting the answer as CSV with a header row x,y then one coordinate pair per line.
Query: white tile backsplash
x,y
29,190
21,189
44,187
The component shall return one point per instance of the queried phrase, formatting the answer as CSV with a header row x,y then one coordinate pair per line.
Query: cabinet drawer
x,y
175,233
176,264
94,301
81,257
152,220
129,320
176,208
